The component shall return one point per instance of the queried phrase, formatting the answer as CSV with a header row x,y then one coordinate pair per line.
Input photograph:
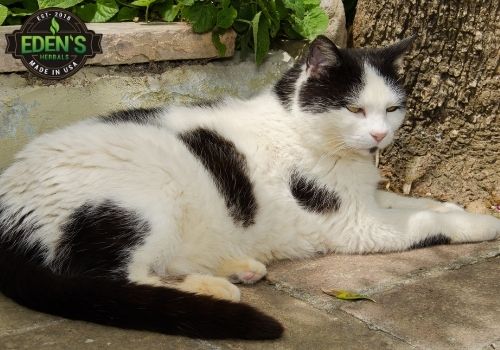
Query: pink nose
x,y
378,136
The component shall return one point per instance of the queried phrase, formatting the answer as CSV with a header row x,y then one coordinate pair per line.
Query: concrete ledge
x,y
128,43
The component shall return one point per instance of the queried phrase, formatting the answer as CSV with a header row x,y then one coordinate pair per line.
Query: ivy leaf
x,y
219,45
30,5
54,26
202,17
269,10
127,14
105,10
315,23
8,2
86,11
58,3
260,37
3,13
168,11
142,3
17,12
226,17
346,295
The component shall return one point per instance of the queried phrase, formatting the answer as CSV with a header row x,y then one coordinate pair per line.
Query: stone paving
x,y
445,297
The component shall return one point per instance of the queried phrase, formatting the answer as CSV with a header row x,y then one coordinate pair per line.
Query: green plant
x,y
256,22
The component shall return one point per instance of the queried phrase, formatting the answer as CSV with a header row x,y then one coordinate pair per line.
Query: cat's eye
x,y
354,109
392,109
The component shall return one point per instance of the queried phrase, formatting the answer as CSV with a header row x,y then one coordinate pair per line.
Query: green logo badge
x,y
53,43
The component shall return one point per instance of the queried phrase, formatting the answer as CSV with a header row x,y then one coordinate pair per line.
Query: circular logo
x,y
53,43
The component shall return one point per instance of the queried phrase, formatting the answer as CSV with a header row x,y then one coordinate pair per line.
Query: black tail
x,y
127,305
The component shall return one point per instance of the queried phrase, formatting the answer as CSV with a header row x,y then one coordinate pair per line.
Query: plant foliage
x,y
256,22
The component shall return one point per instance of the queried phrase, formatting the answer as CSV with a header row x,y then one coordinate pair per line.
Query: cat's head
x,y
352,98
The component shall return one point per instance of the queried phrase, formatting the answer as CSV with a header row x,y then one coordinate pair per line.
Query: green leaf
x,y
3,13
127,14
8,2
346,295
226,17
58,3
219,45
186,2
105,10
225,3
54,26
310,4
142,3
269,10
168,11
315,23
202,17
30,5
85,12
17,12
260,37
296,6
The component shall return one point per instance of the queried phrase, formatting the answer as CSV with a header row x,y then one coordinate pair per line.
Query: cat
x,y
146,218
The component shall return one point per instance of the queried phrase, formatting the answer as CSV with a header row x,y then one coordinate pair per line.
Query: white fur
x,y
146,168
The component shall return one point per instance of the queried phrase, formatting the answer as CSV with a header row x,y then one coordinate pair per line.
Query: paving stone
x,y
459,309
367,273
32,330
127,43
307,327
17,319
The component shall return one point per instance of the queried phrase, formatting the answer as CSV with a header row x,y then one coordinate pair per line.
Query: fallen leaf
x,y
346,295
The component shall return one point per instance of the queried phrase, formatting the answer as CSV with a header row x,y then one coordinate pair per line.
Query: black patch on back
x,y
97,238
430,241
228,168
140,116
312,196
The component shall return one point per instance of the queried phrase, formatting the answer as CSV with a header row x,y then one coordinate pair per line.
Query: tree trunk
x,y
449,145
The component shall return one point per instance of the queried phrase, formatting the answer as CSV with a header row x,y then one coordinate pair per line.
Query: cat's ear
x,y
396,52
322,54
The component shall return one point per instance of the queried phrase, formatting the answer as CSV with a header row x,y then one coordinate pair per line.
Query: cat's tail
x,y
126,305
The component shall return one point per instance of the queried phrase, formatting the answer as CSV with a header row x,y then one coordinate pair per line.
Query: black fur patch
x,y
285,87
27,280
430,241
313,197
228,168
141,116
97,238
206,103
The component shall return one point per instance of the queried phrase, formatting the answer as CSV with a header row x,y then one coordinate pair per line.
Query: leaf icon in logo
x,y
54,26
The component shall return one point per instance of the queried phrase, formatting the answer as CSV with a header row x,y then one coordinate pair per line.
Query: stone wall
x,y
29,107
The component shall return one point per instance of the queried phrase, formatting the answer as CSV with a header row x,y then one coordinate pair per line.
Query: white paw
x,y
245,271
445,207
216,287
473,227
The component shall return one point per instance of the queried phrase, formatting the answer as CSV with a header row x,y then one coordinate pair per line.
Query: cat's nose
x,y
378,136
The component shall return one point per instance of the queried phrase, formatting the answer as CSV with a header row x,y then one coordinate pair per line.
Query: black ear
x,y
322,54
395,52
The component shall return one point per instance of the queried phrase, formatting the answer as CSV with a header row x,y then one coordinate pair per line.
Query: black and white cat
x,y
143,218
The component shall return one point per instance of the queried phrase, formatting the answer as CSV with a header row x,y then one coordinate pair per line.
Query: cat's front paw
x,y
247,271
473,227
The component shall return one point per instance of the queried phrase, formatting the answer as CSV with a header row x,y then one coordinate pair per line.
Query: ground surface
x,y
444,297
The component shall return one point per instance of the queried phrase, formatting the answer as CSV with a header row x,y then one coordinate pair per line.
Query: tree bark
x,y
449,144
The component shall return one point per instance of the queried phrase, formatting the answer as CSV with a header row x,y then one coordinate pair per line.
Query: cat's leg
x,y
242,270
383,230
393,200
